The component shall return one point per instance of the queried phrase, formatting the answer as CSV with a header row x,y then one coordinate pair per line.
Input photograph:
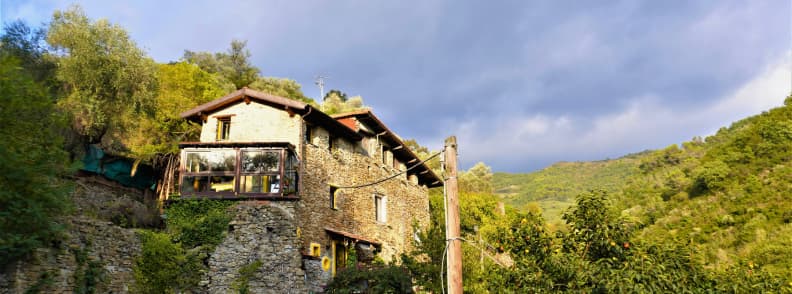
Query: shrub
x,y
373,279
198,222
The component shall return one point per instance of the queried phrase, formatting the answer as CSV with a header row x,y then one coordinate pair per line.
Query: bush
x,y
198,222
374,279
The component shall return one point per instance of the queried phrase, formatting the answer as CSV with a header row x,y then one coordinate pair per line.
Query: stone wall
x,y
348,165
255,122
260,231
110,248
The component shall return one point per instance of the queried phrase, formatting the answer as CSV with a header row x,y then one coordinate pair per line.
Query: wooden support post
x,y
452,218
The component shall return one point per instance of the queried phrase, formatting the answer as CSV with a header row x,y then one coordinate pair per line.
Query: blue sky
x,y
522,84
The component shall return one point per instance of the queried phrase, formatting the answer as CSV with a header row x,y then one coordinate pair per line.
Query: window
x,y
333,194
229,172
308,133
331,143
209,171
223,128
380,207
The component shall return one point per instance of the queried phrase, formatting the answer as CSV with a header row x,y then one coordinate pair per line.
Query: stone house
x,y
292,158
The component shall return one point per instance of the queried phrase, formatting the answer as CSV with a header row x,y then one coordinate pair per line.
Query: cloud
x,y
646,122
523,84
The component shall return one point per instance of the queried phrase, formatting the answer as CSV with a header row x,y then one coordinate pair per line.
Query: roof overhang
x,y
423,172
308,113
356,237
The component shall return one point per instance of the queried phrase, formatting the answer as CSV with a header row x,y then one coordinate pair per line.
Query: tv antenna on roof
x,y
320,81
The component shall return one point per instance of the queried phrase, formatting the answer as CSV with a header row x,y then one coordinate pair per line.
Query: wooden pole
x,y
452,218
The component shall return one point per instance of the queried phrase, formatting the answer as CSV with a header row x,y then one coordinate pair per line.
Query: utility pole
x,y
454,268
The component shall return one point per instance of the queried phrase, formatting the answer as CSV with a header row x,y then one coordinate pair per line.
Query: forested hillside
x,y
727,198
554,188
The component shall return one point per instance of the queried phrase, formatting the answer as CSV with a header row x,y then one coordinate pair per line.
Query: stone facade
x,y
252,121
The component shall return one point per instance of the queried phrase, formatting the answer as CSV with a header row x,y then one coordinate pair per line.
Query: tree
x,y
238,68
29,47
477,179
333,103
181,86
337,93
31,161
233,65
109,81
281,87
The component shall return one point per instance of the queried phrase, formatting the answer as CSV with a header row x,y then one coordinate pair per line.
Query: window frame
x,y
333,197
380,208
223,128
283,174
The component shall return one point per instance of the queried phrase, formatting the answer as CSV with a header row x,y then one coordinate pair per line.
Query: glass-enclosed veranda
x,y
236,171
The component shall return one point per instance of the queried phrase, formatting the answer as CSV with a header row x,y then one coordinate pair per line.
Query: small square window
x,y
333,196
223,128
380,207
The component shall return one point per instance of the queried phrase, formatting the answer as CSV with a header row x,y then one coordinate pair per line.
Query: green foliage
x,y
554,188
32,162
45,280
109,82
196,223
246,273
27,45
159,267
478,179
334,104
181,86
281,87
233,66
89,273
172,261
594,229
373,279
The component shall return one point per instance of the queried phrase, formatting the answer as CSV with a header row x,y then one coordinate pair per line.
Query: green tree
x,y
109,81
181,86
477,179
281,87
333,103
32,161
28,46
233,65
238,68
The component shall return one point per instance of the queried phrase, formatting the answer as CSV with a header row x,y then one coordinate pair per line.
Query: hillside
x,y
554,188
729,197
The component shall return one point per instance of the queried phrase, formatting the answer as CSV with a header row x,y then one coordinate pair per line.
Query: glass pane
x,y
291,161
290,183
260,184
197,162
260,161
192,184
222,184
222,160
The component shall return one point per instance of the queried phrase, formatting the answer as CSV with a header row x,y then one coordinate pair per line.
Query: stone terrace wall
x,y
112,247
263,231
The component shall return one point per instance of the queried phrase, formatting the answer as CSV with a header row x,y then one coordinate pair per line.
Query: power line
x,y
390,177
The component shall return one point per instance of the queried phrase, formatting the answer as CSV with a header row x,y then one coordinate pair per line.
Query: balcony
x,y
222,170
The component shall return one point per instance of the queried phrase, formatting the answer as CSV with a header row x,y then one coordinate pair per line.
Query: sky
x,y
522,84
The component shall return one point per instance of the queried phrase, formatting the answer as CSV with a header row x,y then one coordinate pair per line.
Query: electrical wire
x,y
389,177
